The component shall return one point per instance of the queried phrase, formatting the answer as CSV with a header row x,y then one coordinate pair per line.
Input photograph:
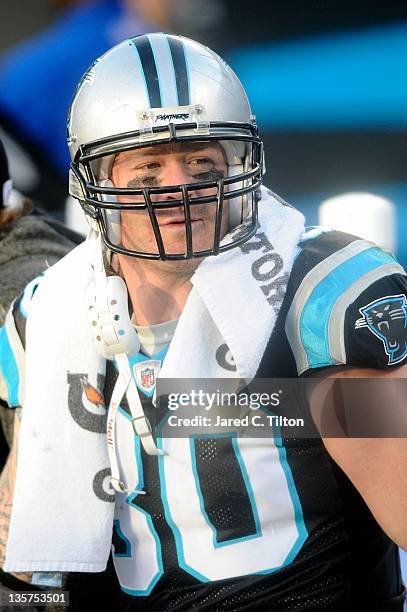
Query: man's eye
x,y
148,166
201,161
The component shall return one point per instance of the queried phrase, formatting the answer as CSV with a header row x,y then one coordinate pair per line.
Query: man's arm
x,y
377,467
7,483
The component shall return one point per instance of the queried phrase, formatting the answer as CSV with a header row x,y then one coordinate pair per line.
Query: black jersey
x,y
280,526
331,552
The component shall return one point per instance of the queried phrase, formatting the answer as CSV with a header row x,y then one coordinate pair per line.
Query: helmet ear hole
x,y
111,215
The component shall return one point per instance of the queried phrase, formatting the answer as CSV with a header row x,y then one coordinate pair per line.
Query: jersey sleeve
x,y
375,333
12,348
350,309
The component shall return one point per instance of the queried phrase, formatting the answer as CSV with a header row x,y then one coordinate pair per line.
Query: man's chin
x,y
179,266
178,248
174,266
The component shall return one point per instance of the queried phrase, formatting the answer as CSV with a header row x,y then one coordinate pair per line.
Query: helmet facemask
x,y
237,189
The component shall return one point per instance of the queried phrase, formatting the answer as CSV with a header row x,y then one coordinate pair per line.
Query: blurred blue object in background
x,y
343,80
38,77
343,83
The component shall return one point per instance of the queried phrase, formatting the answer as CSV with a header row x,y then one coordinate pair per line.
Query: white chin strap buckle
x,y
109,319
116,339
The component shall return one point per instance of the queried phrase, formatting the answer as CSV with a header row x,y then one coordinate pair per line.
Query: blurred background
x,y
326,80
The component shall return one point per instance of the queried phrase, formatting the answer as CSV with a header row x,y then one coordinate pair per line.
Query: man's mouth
x,y
176,221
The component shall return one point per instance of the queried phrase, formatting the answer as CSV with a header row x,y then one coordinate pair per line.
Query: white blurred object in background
x,y
75,217
363,214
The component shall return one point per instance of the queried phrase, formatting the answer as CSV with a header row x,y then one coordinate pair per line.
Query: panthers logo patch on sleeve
x,y
386,318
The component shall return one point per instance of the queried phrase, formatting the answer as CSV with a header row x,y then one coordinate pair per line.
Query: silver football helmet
x,y
158,89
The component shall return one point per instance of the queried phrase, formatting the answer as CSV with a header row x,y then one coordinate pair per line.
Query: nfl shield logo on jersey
x,y
146,374
147,378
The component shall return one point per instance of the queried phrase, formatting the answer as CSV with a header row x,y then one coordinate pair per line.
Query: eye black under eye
x,y
142,182
210,175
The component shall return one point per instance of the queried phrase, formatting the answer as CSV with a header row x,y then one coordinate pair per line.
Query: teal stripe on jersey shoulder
x,y
314,319
8,368
313,231
310,233
28,293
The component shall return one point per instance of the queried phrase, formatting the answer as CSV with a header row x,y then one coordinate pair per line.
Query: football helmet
x,y
153,90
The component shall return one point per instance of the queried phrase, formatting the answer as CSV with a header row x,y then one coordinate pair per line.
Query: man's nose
x,y
174,173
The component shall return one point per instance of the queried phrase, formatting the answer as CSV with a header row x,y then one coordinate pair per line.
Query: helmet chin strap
x,y
116,339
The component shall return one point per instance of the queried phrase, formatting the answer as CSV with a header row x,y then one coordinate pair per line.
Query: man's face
x,y
167,165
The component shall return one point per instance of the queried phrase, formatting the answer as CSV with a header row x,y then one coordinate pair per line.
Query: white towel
x,y
58,523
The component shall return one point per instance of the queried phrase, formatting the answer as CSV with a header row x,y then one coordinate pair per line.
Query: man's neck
x,y
158,290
